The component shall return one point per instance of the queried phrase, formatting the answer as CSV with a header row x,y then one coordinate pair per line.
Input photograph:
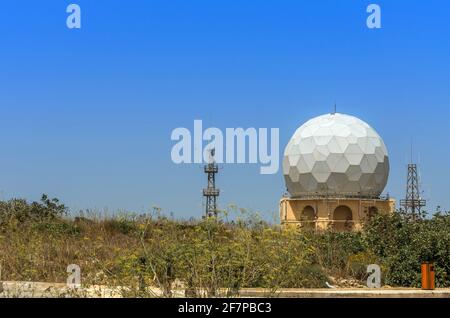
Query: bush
x,y
402,245
333,250
20,211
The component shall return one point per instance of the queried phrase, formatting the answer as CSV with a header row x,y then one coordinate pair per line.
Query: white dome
x,y
336,155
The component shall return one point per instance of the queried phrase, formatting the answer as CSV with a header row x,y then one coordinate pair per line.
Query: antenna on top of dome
x,y
334,110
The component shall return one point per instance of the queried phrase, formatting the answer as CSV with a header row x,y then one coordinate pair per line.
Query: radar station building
x,y
335,168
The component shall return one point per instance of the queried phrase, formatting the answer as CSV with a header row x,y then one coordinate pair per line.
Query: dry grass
x,y
149,250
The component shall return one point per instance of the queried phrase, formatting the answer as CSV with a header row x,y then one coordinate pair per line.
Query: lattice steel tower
x,y
211,193
413,202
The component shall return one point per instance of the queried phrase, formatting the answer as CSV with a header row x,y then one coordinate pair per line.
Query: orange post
x,y
428,276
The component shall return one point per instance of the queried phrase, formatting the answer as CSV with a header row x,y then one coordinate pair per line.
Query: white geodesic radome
x,y
336,155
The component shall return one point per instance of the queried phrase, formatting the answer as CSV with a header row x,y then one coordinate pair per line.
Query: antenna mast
x,y
211,193
413,203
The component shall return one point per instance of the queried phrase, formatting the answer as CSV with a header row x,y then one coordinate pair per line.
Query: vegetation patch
x,y
38,241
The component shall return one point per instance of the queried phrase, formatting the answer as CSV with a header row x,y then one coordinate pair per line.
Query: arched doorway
x,y
343,217
308,217
373,211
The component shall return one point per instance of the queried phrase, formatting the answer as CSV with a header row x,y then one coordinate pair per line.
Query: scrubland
x,y
39,240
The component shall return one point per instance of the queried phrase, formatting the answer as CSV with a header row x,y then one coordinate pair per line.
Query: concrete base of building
x,y
339,214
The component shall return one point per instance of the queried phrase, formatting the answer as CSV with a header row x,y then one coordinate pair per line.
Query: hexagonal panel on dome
x,y
321,171
338,154
354,173
294,174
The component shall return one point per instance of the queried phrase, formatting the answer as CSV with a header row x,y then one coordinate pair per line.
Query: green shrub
x,y
20,211
120,225
402,245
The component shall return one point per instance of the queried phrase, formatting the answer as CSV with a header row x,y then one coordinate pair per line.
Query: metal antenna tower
x,y
413,203
211,193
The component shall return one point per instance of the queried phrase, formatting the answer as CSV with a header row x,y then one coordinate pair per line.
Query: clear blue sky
x,y
86,115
